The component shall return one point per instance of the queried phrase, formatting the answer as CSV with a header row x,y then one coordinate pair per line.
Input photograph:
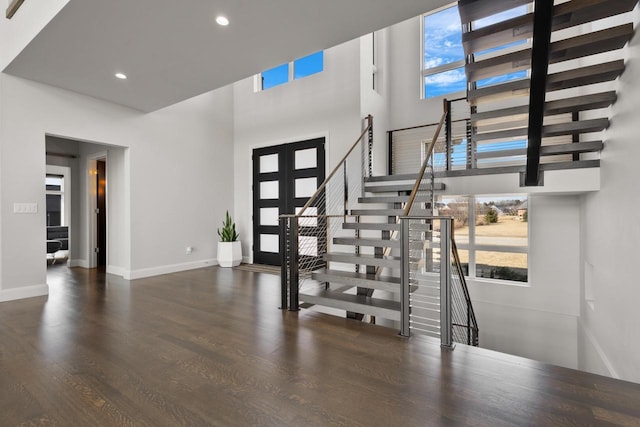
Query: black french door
x,y
284,177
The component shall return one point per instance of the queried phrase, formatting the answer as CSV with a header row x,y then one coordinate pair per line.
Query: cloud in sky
x,y
443,36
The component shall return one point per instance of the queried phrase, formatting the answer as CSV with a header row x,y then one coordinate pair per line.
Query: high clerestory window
x,y
492,235
443,56
293,70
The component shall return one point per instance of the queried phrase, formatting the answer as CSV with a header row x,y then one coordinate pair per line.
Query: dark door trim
x,y
286,176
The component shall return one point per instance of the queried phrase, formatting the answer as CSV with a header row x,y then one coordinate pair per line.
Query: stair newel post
x,y
405,307
446,338
285,224
294,303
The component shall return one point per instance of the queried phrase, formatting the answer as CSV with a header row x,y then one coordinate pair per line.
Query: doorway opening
x,y
93,202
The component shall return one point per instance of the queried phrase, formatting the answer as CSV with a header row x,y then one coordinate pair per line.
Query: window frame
x,y
426,72
59,172
259,82
472,247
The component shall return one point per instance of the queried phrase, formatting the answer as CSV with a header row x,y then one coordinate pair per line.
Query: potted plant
x,y
229,249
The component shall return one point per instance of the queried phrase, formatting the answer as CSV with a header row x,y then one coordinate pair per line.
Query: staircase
x,y
346,250
371,245
562,122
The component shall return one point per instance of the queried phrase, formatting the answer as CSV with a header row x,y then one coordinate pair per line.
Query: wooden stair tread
x,y
363,259
472,10
569,128
395,188
561,50
561,106
386,212
366,241
565,15
392,199
383,283
370,226
547,150
354,303
583,76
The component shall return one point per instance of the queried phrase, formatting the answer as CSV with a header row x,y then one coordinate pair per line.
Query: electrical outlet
x,y
188,250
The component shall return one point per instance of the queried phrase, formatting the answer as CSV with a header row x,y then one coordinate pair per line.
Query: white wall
x,y
406,107
538,320
326,104
610,231
177,174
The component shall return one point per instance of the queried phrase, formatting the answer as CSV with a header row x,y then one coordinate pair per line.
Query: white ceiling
x,y
172,50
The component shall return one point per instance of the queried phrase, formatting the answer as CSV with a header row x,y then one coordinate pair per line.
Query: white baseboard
x,y
118,271
599,350
166,269
23,292
83,263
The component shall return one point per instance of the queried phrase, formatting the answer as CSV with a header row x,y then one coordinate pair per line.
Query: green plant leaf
x,y
228,232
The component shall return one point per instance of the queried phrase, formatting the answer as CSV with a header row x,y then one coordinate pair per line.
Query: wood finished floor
x,y
210,347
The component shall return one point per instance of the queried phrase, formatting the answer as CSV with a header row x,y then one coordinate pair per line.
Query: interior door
x,y
101,212
284,177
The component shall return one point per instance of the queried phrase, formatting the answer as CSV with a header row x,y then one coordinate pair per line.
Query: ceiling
x,y
172,50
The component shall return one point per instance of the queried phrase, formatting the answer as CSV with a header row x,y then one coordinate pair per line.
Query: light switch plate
x,y
25,208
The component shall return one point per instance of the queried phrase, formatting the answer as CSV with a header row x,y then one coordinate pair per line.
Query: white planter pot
x,y
229,254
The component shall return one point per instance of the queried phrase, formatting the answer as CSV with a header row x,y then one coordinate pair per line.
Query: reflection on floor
x,y
210,347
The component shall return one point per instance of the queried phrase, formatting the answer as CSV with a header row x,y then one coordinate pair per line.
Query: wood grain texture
x,y
210,347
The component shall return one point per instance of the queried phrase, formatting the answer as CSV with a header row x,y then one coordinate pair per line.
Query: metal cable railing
x,y
308,234
434,296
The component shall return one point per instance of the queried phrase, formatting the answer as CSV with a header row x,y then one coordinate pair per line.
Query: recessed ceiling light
x,y
222,20
121,76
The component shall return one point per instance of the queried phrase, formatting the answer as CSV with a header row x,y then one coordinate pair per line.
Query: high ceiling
x,y
172,50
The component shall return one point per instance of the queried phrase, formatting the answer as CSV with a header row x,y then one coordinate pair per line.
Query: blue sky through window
x,y
443,45
308,65
275,76
442,38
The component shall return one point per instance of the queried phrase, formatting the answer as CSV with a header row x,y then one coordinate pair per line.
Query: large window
x,y
443,57
492,234
294,70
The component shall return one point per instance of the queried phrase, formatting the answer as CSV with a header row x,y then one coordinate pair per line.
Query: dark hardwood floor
x,y
210,347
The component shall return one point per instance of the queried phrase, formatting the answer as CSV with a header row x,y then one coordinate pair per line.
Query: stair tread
x,y
569,128
388,212
355,303
370,226
384,283
366,241
565,15
562,50
472,10
392,199
364,259
560,106
548,150
584,76
397,177
394,188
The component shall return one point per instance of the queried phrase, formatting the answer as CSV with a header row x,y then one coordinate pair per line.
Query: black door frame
x,y
286,176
